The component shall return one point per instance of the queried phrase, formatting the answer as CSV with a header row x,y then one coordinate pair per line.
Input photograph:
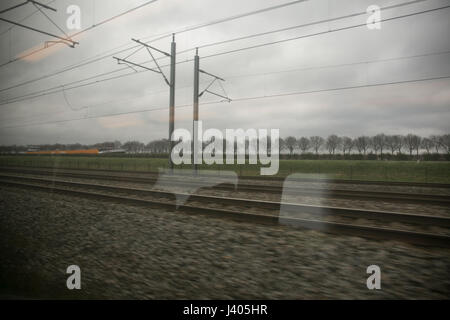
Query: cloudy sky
x,y
410,48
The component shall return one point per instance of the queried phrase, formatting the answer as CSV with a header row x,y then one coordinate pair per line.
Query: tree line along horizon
x,y
333,144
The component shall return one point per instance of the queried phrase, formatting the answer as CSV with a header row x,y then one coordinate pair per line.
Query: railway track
x,y
309,191
249,178
298,215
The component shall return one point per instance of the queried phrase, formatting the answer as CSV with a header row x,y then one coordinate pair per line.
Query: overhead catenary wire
x,y
43,92
14,7
352,15
238,100
206,45
103,103
231,76
364,62
321,33
25,18
38,6
25,3
51,21
58,88
79,32
164,35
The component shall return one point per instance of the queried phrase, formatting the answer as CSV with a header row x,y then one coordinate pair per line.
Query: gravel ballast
x,y
133,252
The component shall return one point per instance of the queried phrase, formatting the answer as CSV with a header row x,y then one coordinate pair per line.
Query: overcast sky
x,y
296,66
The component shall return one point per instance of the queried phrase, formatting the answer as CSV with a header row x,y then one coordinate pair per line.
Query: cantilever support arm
x,y
26,2
159,68
219,95
214,80
210,74
206,89
73,43
135,64
42,5
148,46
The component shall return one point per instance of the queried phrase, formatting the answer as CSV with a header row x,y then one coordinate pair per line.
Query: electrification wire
x,y
237,100
321,33
306,25
44,91
25,18
158,37
337,65
207,45
366,62
92,106
79,32
165,35
58,88
51,21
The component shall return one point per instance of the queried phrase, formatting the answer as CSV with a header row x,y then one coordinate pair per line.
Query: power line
x,y
58,88
15,6
238,16
338,65
165,35
38,5
339,88
73,43
44,91
54,74
79,32
237,100
53,22
366,62
323,32
210,44
25,18
92,106
65,87
307,24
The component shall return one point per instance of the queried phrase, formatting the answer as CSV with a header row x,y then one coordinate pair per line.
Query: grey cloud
x,y
416,107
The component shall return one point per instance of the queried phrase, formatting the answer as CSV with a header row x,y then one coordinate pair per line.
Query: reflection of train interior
x,y
82,151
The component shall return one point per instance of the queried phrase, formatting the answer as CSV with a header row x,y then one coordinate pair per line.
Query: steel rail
x,y
328,227
292,190
286,207
261,178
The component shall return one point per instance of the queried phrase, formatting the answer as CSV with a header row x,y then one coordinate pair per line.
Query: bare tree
x,y
347,144
427,144
133,146
373,145
316,143
157,146
399,142
304,144
362,144
413,143
394,143
444,141
281,144
332,143
379,141
390,143
290,143
436,142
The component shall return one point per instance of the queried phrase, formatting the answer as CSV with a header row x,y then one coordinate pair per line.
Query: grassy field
x,y
434,172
